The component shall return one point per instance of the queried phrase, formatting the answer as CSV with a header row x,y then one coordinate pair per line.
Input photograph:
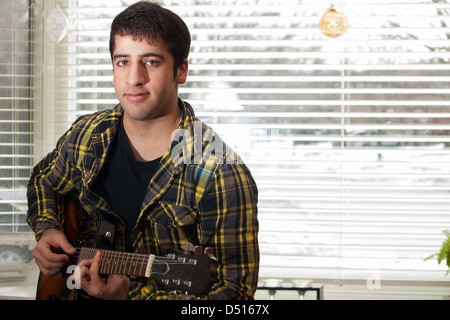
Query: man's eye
x,y
152,63
121,63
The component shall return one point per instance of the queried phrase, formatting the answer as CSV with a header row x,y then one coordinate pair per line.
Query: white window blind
x,y
348,139
16,111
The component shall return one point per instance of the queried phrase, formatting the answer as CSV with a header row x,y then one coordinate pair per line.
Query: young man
x,y
152,168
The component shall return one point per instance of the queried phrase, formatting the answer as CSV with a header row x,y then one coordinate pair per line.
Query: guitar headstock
x,y
190,272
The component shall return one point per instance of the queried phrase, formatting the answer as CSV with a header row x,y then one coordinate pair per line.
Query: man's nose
x,y
137,75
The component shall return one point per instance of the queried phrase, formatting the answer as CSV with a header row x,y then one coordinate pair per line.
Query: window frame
x,y
49,126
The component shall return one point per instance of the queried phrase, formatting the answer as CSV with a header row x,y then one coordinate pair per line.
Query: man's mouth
x,y
137,96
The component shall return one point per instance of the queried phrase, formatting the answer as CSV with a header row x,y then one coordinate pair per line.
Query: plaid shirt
x,y
201,193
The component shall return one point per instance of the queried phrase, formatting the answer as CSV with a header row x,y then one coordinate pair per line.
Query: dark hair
x,y
150,21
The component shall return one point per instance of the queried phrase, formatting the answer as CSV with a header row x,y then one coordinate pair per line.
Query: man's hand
x,y
51,252
115,287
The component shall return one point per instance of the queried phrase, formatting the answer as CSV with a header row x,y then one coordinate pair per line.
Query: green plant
x,y
444,253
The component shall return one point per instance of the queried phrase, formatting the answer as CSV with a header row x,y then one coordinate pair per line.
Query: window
x,y
347,138
17,102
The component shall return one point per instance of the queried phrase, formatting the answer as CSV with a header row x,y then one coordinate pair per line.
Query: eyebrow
x,y
145,55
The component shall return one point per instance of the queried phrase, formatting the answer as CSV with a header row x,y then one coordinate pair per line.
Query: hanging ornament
x,y
333,23
57,24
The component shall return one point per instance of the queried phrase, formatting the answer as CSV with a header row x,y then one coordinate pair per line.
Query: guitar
x,y
191,272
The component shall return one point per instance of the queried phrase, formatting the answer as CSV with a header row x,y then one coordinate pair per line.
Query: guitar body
x,y
56,288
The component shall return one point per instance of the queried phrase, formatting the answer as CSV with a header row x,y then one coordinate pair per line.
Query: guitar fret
x,y
131,265
127,263
140,270
120,264
124,263
103,263
120,268
106,263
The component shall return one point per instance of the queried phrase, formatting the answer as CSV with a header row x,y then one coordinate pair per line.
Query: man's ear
x,y
182,72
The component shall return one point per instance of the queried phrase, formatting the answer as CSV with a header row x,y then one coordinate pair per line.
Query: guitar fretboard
x,y
116,262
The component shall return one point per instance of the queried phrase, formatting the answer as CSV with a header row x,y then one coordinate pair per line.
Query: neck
x,y
150,139
115,262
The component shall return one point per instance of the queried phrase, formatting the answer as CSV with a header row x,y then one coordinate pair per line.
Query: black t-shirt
x,y
123,182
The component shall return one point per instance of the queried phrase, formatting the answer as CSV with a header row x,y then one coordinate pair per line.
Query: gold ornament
x,y
333,23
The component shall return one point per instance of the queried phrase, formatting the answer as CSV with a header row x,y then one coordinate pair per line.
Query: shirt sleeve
x,y
50,179
230,226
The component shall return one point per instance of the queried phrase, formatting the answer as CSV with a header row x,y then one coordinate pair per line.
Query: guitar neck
x,y
115,262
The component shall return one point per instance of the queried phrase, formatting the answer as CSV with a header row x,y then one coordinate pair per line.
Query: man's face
x,y
143,78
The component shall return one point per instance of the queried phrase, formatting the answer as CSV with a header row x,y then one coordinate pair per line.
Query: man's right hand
x,y
51,252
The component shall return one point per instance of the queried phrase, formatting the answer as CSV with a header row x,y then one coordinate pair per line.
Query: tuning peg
x,y
198,250
185,296
187,247
209,250
174,296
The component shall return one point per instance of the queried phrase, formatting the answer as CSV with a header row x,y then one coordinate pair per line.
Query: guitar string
x,y
144,259
90,253
130,257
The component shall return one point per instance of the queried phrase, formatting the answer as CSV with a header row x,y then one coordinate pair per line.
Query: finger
x,y
51,251
57,241
82,273
85,263
60,245
96,263
82,276
68,248
44,250
48,266
52,257
86,274
91,281
48,271
92,267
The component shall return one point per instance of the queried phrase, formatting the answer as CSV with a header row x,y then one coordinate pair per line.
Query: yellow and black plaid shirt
x,y
201,193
